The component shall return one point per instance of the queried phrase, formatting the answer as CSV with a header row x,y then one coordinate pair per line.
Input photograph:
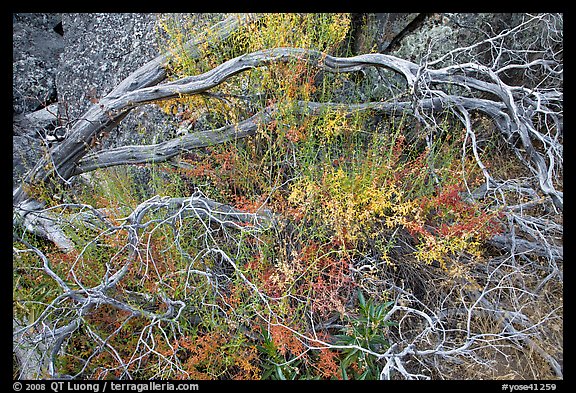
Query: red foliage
x,y
449,216
328,363
285,340
330,286
246,205
450,198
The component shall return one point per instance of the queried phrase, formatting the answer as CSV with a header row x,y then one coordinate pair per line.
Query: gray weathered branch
x,y
114,107
98,119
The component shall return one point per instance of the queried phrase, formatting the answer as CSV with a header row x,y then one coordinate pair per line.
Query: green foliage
x,y
366,331
275,366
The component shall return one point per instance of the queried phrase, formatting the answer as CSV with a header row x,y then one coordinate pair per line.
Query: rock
x,y
34,122
36,52
437,34
427,37
26,151
74,58
378,32
101,50
29,129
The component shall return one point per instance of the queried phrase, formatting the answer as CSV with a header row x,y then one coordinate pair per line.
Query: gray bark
x,y
99,118
111,109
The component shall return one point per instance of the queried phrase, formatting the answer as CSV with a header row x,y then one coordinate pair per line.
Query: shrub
x,y
344,186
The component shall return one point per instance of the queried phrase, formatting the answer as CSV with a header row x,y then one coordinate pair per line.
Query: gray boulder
x,y
35,56
101,50
380,31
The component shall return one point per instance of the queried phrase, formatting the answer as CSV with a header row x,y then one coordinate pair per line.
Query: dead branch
x,y
436,327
